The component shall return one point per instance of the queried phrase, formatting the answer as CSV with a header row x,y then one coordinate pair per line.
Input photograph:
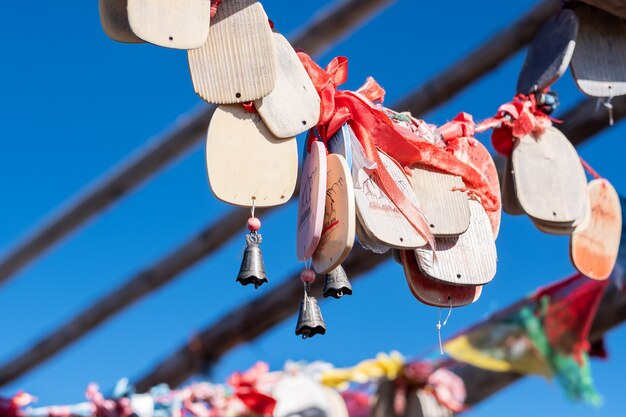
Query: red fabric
x,y
573,306
371,126
12,407
518,118
357,403
589,169
244,385
214,5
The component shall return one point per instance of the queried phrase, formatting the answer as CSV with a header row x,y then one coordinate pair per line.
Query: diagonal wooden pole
x,y
142,284
325,29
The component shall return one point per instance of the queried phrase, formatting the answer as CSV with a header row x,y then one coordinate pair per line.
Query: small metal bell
x,y
337,284
252,269
310,320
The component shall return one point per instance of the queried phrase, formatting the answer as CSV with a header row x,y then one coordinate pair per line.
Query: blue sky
x,y
75,103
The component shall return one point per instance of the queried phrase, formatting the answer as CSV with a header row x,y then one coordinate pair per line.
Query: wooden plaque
x,y
467,259
293,106
446,210
114,21
338,230
367,241
549,53
600,58
311,202
341,143
237,63
380,217
594,246
435,293
480,158
246,163
549,180
179,24
510,205
616,7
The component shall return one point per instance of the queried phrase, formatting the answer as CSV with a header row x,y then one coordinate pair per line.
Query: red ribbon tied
x,y
245,387
369,124
518,118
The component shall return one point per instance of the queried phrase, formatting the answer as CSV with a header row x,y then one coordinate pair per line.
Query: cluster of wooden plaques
x,y
235,57
591,41
544,178
340,197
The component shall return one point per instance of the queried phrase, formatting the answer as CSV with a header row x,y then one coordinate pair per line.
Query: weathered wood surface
x,y
616,7
467,259
549,180
237,63
549,53
600,57
246,164
443,203
595,244
338,230
293,106
179,24
114,21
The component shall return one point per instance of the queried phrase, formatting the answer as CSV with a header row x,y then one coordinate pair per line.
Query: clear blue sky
x,y
75,103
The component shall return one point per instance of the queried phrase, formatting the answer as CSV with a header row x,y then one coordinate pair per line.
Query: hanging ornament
x,y
337,284
310,320
252,269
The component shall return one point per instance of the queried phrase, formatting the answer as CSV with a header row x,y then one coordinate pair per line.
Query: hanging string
x,y
439,333
589,169
606,102
449,311
253,207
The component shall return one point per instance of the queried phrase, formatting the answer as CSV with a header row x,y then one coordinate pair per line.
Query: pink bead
x,y
308,276
254,224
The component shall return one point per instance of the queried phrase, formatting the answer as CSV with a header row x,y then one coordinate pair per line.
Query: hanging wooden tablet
x,y
432,292
311,202
380,218
480,158
549,179
549,53
237,63
367,241
467,259
445,209
616,7
293,106
554,229
341,143
510,205
246,164
178,24
600,57
338,229
114,21
594,246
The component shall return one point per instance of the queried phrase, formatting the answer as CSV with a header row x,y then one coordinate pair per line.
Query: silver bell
x,y
337,284
252,269
310,320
